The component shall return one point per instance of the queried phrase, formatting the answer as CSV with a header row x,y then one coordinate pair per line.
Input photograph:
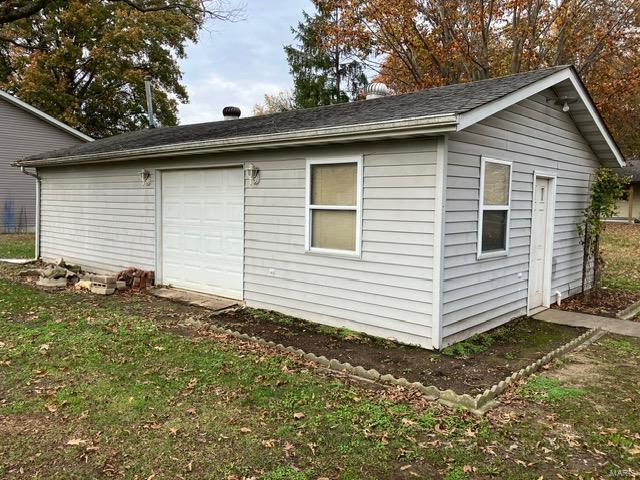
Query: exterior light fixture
x,y
565,101
252,174
145,176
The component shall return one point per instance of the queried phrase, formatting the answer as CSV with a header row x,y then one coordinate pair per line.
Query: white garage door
x,y
202,230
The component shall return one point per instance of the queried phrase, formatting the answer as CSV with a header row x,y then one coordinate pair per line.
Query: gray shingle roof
x,y
452,99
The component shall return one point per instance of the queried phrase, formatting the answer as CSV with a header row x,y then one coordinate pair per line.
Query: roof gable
x,y
565,83
43,116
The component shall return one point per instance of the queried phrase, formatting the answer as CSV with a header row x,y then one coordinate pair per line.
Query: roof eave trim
x,y
480,113
431,124
44,116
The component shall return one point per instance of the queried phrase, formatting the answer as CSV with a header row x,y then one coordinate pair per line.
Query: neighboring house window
x,y
495,206
333,205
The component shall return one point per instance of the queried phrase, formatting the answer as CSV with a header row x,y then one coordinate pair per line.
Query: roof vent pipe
x,y
147,88
231,113
376,90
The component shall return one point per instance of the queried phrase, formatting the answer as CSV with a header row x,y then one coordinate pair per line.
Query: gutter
x,y
426,125
38,196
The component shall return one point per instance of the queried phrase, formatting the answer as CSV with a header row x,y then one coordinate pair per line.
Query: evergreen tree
x,y
324,71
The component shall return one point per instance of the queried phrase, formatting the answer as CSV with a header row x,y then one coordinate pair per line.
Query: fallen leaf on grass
x,y
174,431
52,408
269,443
76,442
298,415
245,430
468,469
44,348
405,467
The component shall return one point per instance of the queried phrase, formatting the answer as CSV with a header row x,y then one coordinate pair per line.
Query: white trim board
x,y
438,240
43,116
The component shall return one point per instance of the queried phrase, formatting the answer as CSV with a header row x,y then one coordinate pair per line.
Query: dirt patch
x,y
606,303
466,370
581,371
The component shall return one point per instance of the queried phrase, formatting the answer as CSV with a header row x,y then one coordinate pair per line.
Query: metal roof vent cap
x,y
376,90
231,113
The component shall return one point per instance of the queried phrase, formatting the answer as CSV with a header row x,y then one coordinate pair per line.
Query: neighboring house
x,y
425,217
24,131
629,209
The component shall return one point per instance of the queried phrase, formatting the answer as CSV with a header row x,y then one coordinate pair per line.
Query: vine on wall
x,y
606,189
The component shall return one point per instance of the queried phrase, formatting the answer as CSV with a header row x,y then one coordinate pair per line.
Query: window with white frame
x,y
333,205
495,207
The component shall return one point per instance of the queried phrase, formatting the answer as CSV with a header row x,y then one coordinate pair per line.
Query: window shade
x,y
496,184
334,229
334,184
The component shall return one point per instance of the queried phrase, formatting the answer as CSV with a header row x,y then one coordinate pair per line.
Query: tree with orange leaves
x,y
424,43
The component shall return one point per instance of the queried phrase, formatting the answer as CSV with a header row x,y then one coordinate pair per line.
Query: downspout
x,y
38,180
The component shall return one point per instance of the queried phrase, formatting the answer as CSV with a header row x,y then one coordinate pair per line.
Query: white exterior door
x,y
539,277
202,230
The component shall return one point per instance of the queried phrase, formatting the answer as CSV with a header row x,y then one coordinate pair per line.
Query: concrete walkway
x,y
574,319
210,302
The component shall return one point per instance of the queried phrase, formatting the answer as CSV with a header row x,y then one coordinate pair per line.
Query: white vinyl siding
x,y
534,135
103,218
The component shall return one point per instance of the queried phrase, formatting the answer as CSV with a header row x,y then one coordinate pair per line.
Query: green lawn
x,y
118,386
621,253
17,246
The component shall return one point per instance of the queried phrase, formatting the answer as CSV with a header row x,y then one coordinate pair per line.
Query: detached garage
x,y
424,217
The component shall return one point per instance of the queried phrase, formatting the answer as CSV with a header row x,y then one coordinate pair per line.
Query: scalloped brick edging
x,y
630,312
479,404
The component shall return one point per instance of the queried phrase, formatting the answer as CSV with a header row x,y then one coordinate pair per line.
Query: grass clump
x,y
17,245
471,346
546,389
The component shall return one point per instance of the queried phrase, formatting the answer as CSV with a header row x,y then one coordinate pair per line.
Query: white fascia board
x,y
432,124
43,116
480,113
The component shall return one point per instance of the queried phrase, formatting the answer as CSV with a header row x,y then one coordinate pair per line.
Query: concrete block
x,y
121,285
99,290
60,282
109,280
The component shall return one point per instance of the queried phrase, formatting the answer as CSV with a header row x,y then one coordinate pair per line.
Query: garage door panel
x,y
202,223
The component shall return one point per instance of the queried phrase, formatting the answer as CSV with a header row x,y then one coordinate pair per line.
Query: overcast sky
x,y
237,63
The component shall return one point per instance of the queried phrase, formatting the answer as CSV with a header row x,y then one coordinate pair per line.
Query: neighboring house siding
x,y
535,135
23,134
101,217
630,209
